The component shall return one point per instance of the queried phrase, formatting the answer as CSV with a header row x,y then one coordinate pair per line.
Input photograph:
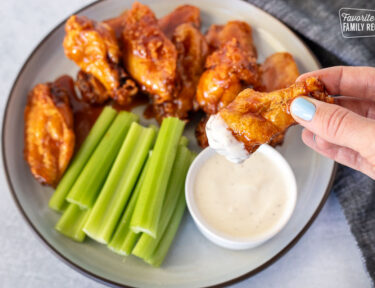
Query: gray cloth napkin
x,y
317,22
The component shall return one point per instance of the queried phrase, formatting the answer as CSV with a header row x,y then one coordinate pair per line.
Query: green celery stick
x,y
123,229
130,241
150,201
80,159
90,181
165,242
71,222
120,183
146,245
184,141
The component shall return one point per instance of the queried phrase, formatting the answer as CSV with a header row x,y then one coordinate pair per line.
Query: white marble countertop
x,y
326,256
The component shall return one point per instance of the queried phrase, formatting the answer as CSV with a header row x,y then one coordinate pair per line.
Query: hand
x,y
344,131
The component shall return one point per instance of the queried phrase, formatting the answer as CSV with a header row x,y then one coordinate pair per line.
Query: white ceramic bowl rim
x,y
227,241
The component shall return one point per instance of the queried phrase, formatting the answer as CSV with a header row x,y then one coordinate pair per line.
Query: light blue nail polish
x,y
303,109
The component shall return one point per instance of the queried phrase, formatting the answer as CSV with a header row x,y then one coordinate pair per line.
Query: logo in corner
x,y
357,23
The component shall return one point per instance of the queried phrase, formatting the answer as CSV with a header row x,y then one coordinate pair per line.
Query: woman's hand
x,y
344,131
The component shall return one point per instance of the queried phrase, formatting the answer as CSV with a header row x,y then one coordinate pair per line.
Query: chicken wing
x,y
255,118
217,35
94,48
118,25
49,134
278,71
149,56
192,51
230,69
181,15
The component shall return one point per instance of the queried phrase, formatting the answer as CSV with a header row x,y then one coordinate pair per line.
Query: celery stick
x,y
130,241
120,183
71,222
123,229
93,175
184,141
146,245
165,242
80,159
150,201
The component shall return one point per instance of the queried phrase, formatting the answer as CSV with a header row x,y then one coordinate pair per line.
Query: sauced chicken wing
x,y
230,69
149,56
181,15
278,72
93,47
256,118
49,135
191,54
217,35
117,24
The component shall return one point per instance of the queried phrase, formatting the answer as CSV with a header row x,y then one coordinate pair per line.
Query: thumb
x,y
335,124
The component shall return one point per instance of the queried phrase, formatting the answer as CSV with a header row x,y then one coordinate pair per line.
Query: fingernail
x,y
303,109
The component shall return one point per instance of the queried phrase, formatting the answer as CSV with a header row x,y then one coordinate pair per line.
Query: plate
x,y
193,261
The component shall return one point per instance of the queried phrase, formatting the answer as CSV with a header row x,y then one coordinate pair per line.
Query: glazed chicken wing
x,y
181,15
217,35
191,54
278,72
49,134
117,24
229,70
255,118
94,48
149,56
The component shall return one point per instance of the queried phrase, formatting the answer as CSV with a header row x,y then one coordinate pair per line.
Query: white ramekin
x,y
230,242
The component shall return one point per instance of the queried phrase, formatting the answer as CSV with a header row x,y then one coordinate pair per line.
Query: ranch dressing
x,y
221,139
243,200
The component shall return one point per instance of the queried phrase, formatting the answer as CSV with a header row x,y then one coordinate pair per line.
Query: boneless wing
x,y
149,56
94,48
49,134
255,118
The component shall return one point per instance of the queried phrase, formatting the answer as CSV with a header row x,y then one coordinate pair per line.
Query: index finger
x,y
346,80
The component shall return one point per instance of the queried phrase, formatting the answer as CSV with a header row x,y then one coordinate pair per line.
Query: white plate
x,y
193,261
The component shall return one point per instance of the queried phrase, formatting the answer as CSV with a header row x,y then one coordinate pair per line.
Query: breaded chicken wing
x,y
278,71
49,133
181,15
191,55
255,118
149,56
94,48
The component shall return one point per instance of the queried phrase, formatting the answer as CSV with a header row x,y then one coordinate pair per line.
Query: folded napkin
x,y
317,23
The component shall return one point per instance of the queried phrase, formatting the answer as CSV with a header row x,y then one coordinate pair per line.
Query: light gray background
x,y
327,255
